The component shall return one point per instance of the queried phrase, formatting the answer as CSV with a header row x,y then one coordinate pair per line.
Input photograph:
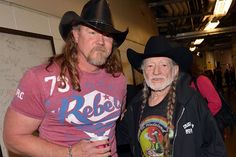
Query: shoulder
x,y
121,76
117,77
136,101
196,104
204,82
40,71
45,69
184,92
203,78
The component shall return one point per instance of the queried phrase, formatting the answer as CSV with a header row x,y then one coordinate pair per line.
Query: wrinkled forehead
x,y
157,60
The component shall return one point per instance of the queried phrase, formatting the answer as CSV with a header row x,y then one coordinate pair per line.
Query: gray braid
x,y
169,114
145,99
145,95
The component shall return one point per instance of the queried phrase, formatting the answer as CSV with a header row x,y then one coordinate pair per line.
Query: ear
x,y
75,33
176,70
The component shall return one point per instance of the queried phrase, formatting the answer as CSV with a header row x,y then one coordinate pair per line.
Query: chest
x,y
98,100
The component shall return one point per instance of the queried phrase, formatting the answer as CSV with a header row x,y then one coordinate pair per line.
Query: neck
x,y
157,96
84,65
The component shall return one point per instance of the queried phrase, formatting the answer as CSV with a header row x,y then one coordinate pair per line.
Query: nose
x,y
101,39
156,70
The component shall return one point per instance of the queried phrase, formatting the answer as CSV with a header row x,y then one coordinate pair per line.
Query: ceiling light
x,y
211,25
222,7
192,48
198,53
198,41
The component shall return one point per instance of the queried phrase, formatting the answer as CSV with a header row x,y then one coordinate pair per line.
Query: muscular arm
x,y
18,138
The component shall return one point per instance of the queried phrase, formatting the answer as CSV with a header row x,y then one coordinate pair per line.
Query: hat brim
x,y
181,56
74,19
108,30
135,59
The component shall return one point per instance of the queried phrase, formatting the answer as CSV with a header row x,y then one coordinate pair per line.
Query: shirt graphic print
x,y
152,132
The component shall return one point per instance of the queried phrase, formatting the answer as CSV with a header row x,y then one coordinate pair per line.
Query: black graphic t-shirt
x,y
153,129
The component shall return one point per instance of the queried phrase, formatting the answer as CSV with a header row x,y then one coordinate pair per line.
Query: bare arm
x,y
18,138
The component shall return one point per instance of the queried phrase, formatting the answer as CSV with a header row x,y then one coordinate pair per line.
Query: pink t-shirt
x,y
208,91
67,115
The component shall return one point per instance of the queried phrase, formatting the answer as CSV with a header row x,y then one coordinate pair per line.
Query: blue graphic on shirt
x,y
93,113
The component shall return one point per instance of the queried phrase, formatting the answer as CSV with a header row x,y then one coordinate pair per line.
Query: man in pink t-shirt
x,y
77,96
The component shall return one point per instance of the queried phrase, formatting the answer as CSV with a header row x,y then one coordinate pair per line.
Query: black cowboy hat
x,y
158,46
96,14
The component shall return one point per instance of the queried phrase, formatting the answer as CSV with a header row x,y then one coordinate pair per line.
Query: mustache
x,y
100,48
157,77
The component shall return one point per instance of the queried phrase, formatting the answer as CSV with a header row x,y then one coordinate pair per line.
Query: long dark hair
x,y
68,61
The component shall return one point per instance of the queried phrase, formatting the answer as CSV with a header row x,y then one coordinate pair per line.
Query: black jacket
x,y
205,141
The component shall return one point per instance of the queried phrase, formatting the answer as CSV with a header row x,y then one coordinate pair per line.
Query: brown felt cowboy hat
x,y
95,14
158,46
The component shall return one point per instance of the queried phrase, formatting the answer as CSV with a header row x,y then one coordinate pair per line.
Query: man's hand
x,y
86,148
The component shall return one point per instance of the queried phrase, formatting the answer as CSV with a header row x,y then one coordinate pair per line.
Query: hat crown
x,y
97,11
157,45
96,15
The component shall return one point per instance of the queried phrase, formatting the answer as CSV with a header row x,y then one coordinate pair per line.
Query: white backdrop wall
x,y
19,17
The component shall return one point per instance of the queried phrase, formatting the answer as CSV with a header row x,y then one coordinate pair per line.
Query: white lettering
x,y
187,125
53,79
188,131
19,94
67,87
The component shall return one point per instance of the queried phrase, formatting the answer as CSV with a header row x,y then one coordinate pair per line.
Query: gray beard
x,y
98,59
159,87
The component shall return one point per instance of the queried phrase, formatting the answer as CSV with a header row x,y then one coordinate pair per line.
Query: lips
x,y
158,79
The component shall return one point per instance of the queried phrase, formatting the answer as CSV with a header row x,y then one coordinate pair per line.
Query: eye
x,y
92,32
106,35
163,64
149,66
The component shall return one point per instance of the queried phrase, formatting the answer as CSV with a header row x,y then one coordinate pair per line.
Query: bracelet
x,y
70,151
